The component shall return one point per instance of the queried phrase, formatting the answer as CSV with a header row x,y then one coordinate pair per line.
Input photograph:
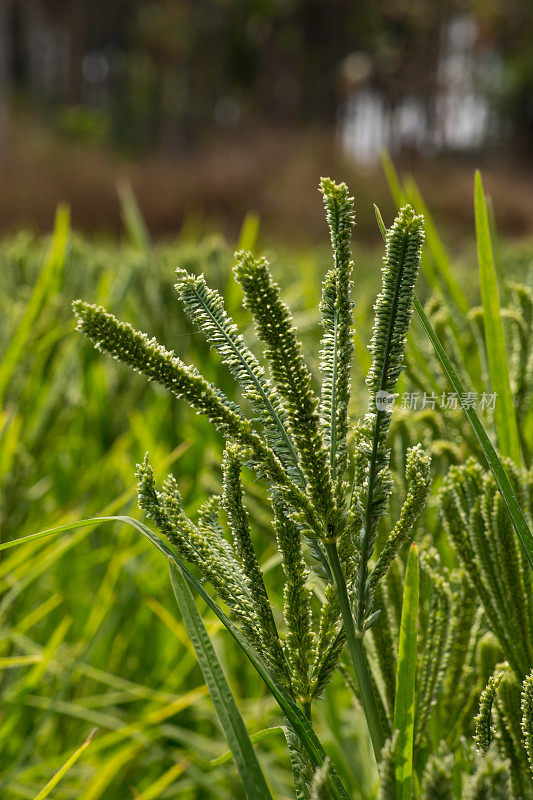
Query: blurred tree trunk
x,y
33,23
77,24
5,51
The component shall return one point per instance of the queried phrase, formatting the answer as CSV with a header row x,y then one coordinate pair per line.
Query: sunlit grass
x,y
89,631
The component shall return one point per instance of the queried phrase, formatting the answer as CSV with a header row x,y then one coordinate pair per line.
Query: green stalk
x,y
368,524
354,641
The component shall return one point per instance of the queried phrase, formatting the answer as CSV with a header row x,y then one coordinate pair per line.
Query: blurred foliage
x,y
168,71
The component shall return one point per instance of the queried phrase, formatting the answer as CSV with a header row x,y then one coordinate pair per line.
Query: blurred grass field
x,y
90,634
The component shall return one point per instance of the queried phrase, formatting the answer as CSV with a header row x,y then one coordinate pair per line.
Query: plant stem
x,y
354,640
363,570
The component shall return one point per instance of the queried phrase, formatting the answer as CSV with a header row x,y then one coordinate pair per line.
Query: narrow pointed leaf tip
x,y
52,783
504,413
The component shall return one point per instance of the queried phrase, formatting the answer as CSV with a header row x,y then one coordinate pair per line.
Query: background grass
x,y
90,634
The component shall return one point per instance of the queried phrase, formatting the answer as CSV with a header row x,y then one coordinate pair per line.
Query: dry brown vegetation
x,y
263,169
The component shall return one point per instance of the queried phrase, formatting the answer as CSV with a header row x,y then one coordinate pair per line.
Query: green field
x,y
91,636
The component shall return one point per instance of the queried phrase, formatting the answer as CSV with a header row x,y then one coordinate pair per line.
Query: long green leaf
x,y
69,526
437,268
436,249
53,263
504,412
296,717
227,711
400,198
502,481
132,217
404,708
395,186
249,232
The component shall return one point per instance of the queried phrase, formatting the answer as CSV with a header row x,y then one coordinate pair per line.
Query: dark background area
x,y
212,107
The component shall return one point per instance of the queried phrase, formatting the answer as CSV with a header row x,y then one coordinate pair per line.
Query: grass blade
x,y
504,412
249,232
496,249
226,757
132,217
156,789
9,662
436,249
381,225
393,180
404,708
69,526
502,481
52,266
52,783
357,654
227,711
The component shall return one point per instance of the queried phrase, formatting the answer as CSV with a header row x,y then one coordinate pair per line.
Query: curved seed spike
x,y
146,356
508,698
300,641
206,309
387,769
464,605
203,548
330,642
435,656
150,502
385,644
516,580
483,721
527,716
393,311
320,783
337,320
418,488
508,704
302,768
460,499
238,522
394,305
290,375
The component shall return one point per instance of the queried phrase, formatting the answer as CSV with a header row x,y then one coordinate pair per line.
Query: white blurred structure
x,y
457,117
